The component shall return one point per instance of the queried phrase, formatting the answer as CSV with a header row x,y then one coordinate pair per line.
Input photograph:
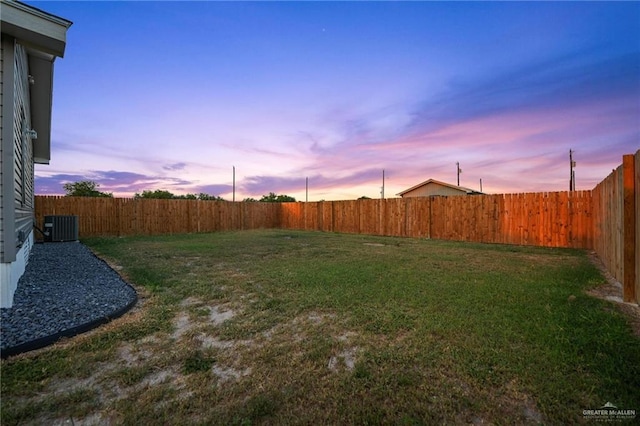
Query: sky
x,y
175,95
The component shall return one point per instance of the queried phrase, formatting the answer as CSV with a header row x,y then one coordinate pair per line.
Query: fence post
x,y
430,217
629,229
637,180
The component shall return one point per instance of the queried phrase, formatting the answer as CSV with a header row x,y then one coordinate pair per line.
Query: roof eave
x,y
415,187
44,36
437,182
35,28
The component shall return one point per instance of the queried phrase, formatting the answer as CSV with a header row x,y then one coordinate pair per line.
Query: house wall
x,y
7,210
22,148
16,161
10,273
31,40
433,189
1,148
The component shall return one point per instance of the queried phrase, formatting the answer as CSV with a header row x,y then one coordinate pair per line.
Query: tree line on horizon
x,y
87,188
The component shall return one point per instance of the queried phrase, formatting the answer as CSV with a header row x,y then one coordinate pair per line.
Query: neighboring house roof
x,y
44,37
462,189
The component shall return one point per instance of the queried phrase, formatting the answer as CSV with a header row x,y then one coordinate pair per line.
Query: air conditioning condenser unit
x,y
60,228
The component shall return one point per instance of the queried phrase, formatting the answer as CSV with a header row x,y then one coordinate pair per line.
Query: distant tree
x,y
273,198
85,188
364,197
249,200
186,197
166,195
285,199
158,193
207,197
200,196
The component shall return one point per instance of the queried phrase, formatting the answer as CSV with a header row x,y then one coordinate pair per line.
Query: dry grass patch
x,y
273,327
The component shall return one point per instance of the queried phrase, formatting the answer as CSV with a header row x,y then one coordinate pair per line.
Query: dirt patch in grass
x,y
227,373
611,290
346,358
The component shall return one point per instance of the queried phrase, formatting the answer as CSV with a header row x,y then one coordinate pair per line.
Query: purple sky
x,y
172,95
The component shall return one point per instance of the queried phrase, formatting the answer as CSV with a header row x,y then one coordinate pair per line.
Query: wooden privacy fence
x,y
126,216
551,219
606,219
617,224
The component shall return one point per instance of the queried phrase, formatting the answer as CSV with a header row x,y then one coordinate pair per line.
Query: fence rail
x,y
606,219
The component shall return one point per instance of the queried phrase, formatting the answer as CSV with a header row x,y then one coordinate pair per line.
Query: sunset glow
x,y
173,95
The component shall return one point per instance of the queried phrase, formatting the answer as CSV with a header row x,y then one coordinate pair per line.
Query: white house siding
x,y
10,273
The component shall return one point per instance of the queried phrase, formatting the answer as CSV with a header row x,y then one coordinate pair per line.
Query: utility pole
x,y
480,184
234,183
382,192
307,190
458,171
572,173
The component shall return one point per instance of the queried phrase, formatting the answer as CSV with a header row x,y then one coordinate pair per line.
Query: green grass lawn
x,y
276,327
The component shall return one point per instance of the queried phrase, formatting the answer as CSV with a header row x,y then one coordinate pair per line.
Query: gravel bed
x,y
65,290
